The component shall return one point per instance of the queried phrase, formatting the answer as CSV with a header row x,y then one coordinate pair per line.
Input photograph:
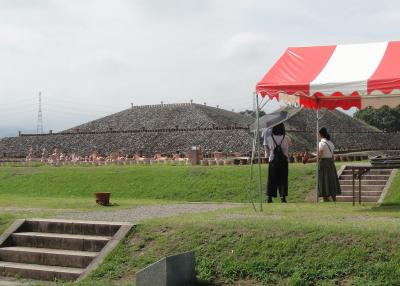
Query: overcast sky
x,y
93,57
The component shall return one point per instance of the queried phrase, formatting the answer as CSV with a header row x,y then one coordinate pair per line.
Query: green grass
x,y
393,196
287,244
294,244
5,220
73,186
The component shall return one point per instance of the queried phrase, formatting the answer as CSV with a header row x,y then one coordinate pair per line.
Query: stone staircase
x,y
373,184
57,249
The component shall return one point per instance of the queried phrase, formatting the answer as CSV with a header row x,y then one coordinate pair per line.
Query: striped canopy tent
x,y
356,75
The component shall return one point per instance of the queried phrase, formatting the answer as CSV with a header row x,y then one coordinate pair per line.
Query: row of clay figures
x,y
31,155
176,156
58,156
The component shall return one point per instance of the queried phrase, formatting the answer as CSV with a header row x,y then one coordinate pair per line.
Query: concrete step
x,y
370,172
57,249
363,199
70,227
60,241
366,177
47,256
387,161
363,193
363,187
39,272
364,182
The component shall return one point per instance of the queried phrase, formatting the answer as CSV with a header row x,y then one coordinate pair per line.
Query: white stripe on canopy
x,y
349,68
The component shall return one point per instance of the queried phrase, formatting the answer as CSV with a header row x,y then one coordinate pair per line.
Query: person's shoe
x,y
283,200
269,200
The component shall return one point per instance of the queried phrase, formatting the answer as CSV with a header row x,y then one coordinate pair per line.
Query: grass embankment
x,y
293,244
287,244
393,196
5,220
75,185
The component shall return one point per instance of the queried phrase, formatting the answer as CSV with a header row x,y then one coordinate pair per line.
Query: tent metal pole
x,y
262,99
258,151
250,189
253,152
317,178
264,104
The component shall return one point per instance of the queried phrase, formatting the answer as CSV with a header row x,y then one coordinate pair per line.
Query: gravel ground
x,y
146,212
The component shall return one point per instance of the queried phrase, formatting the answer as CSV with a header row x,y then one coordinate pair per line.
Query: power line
x,y
39,127
17,109
17,101
78,107
74,114
75,103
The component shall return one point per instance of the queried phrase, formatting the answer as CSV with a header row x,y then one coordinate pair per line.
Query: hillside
x,y
164,116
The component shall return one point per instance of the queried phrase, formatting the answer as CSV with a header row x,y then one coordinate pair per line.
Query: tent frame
x,y
256,151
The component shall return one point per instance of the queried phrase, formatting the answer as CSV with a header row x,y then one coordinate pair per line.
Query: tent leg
x,y
317,178
250,189
258,152
253,153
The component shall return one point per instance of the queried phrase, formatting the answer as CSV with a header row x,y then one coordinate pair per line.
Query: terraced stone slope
x,y
177,127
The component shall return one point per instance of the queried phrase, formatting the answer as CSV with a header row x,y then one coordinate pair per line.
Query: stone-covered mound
x,y
147,143
177,127
347,133
164,116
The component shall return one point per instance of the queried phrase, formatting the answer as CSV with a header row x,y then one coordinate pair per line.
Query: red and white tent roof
x,y
357,75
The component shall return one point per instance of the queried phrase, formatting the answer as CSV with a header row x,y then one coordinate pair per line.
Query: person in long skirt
x,y
328,182
278,145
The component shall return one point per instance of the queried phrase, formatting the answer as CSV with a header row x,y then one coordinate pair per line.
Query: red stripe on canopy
x,y
331,102
294,71
386,78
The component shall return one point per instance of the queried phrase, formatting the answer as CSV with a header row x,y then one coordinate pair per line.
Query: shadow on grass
x,y
109,205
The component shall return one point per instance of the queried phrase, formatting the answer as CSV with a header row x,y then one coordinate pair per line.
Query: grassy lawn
x,y
287,244
73,186
293,244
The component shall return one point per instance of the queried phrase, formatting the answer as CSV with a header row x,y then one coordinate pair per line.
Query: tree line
x,y
384,118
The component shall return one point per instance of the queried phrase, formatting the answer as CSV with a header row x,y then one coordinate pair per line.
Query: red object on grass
x,y
103,198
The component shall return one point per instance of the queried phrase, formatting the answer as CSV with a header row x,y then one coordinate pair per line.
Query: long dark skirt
x,y
328,182
277,179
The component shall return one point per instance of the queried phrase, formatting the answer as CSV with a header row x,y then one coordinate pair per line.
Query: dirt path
x,y
146,212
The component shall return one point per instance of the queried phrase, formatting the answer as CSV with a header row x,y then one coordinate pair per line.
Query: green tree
x,y
384,118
